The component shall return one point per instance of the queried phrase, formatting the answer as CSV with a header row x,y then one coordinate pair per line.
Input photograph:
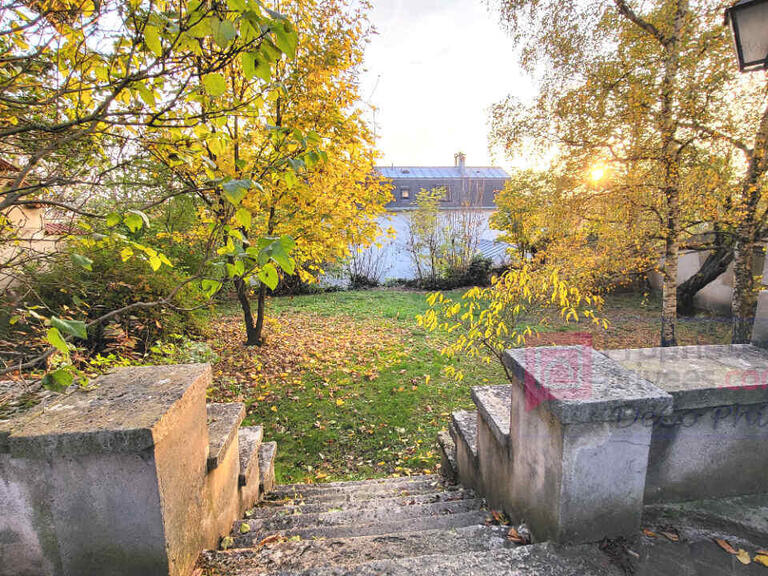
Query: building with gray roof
x,y
474,186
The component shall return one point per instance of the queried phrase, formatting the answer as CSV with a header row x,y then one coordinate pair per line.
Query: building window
x,y
405,193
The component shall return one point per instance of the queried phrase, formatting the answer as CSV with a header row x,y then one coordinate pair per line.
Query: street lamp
x,y
749,23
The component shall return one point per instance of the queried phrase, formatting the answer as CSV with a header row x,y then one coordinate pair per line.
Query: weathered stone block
x,y
109,480
575,473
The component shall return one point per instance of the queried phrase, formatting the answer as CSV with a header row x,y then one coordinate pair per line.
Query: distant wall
x,y
716,296
28,224
396,260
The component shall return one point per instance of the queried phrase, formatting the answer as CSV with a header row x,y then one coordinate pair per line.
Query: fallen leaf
x,y
649,533
227,542
274,538
671,536
762,559
725,546
514,536
762,552
743,557
245,528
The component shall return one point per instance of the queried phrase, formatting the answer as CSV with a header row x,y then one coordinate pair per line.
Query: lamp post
x,y
748,20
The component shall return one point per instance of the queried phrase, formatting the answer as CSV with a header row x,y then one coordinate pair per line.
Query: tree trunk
x,y
744,294
670,187
260,312
669,293
744,290
716,264
253,336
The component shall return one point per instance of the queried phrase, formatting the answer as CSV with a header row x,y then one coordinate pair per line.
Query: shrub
x,y
112,284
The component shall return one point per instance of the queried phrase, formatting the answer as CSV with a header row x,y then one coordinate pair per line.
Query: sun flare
x,y
597,172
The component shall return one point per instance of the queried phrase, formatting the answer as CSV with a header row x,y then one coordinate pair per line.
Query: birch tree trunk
x,y
744,299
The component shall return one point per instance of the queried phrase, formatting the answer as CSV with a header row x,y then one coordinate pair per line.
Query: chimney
x,y
460,160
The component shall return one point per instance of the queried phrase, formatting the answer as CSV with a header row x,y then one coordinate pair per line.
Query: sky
x,y
433,70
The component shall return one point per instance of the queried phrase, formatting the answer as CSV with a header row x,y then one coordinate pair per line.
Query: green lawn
x,y
351,387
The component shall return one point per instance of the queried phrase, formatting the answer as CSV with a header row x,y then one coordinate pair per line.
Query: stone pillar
x,y
578,452
109,481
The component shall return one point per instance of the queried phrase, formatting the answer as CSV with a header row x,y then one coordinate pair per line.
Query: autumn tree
x,y
628,87
297,161
83,87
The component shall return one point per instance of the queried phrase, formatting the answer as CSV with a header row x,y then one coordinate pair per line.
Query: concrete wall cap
x,y
578,384
703,376
128,410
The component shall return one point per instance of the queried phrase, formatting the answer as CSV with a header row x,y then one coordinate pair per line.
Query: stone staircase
x,y
256,459
398,526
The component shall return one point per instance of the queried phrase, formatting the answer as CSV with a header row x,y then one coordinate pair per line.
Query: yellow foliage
x,y
485,322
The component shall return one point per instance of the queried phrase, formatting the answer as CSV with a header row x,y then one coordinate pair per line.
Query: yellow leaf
x,y
339,402
743,557
245,528
274,408
762,559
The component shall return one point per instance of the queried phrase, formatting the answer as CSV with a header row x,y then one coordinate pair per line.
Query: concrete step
x,y
289,507
384,514
249,479
267,453
363,528
249,441
283,556
344,491
535,560
494,404
464,430
448,466
224,418
348,484
742,516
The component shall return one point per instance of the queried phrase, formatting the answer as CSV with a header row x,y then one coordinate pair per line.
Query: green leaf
x,y
210,287
113,219
71,327
280,256
290,179
133,221
235,190
83,261
288,243
236,269
152,39
58,380
248,61
268,275
223,32
286,38
262,68
57,341
243,218
215,84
